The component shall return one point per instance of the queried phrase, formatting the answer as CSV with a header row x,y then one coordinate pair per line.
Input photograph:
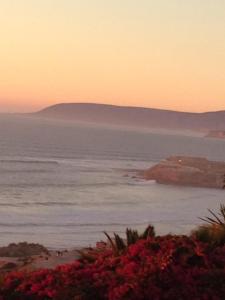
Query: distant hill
x,y
135,116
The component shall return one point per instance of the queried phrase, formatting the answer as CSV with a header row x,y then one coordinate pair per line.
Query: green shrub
x,y
214,231
211,234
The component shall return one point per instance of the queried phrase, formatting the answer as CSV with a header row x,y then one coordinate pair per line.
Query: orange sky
x,y
165,54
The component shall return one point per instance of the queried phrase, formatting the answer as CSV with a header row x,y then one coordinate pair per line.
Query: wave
x,y
71,224
57,185
66,203
144,182
51,203
37,171
24,161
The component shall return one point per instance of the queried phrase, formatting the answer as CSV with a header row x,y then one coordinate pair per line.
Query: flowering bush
x,y
162,267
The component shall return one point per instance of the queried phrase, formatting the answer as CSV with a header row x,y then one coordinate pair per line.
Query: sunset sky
x,y
153,53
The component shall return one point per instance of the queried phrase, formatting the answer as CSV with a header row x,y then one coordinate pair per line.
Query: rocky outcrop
x,y
22,250
220,134
189,171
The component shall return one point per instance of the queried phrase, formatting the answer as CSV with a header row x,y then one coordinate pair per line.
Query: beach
x,y
23,259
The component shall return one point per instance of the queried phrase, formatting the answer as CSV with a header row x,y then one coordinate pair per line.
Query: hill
x,y
135,116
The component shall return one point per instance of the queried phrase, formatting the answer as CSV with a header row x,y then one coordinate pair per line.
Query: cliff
x,y
189,171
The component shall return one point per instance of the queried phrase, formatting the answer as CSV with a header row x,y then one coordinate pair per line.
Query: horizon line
x,y
126,106
113,105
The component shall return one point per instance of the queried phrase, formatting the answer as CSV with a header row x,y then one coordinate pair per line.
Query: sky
x,y
153,53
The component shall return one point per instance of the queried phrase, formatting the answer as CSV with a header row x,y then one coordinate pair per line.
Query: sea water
x,y
62,184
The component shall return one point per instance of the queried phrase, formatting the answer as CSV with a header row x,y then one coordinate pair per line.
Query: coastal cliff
x,y
189,171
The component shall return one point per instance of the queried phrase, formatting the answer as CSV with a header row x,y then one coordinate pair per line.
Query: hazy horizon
x,y
17,109
158,54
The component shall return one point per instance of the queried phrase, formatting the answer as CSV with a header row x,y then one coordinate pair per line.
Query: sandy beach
x,y
45,259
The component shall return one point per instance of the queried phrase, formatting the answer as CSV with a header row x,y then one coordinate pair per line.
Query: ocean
x,y
62,184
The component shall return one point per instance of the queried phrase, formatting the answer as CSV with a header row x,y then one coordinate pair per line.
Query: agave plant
x,y
213,232
148,232
216,219
119,245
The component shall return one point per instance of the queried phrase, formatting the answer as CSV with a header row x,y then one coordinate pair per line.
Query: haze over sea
x,y
62,184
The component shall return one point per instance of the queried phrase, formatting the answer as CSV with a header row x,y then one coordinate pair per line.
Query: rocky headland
x,y
188,171
220,134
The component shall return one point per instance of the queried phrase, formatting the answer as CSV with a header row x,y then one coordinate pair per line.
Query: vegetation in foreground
x,y
141,267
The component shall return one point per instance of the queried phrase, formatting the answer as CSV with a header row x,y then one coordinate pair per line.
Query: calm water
x,y
62,184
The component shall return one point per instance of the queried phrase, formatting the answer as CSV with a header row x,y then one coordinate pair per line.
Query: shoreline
x,y
22,257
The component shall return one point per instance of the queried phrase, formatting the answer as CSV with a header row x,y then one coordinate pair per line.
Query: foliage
x,y
140,267
162,267
214,232
119,245
211,234
216,219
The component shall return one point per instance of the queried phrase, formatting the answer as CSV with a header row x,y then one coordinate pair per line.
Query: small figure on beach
x,y
59,253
